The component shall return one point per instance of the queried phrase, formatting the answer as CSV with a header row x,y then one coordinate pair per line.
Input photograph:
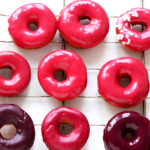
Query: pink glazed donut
x,y
110,89
54,140
83,36
130,38
75,69
21,74
35,13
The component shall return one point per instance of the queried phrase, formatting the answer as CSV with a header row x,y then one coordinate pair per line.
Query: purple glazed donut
x,y
127,122
25,132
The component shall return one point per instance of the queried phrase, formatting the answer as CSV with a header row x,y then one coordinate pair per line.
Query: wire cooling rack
x,y
37,103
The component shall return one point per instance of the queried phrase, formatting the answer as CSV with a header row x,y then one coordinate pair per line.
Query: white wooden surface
x,y
37,103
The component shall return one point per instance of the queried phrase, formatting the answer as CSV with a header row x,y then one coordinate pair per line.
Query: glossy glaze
x,y
110,89
36,13
73,141
75,69
130,38
21,74
25,132
126,122
83,36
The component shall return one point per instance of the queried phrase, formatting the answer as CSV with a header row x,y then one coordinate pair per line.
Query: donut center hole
x,y
60,75
138,27
125,80
128,134
6,72
33,26
65,127
84,20
8,131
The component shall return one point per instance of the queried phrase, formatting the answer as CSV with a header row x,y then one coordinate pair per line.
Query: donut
x,y
65,115
110,89
25,132
35,13
21,74
129,38
83,36
75,69
132,123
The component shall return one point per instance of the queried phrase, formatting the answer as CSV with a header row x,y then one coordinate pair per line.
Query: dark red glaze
x,y
110,89
21,74
130,38
75,69
73,141
123,123
25,132
36,13
83,36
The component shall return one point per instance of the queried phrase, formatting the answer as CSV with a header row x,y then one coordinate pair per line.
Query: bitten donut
x,y
75,69
83,36
65,115
21,74
110,75
130,38
25,132
35,13
127,131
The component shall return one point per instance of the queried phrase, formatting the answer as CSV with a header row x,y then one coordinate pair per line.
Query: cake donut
x,y
25,132
135,125
130,38
83,36
110,89
75,69
21,74
65,115
35,13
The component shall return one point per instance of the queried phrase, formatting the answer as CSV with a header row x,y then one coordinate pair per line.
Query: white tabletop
x,y
37,103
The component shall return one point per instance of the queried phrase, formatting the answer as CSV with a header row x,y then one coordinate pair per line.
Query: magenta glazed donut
x,y
75,69
134,124
83,36
65,115
21,74
110,89
35,13
130,38
25,132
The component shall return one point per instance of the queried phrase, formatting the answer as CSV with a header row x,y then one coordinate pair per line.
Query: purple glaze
x,y
24,138
123,123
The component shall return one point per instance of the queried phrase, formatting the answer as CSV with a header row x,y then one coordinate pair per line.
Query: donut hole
x,y
33,26
6,72
144,28
60,75
8,131
65,128
84,20
128,134
138,27
125,80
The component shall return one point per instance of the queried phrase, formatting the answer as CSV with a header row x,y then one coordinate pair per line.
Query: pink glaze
x,y
36,13
83,36
130,38
110,89
20,74
75,69
73,141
